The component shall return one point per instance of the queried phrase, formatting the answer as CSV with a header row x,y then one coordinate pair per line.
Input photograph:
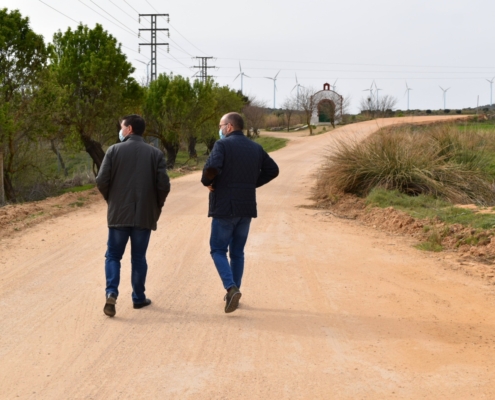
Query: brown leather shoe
x,y
232,299
109,308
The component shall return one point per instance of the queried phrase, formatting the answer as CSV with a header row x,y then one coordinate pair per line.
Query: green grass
x,y
77,189
76,204
270,144
429,207
485,126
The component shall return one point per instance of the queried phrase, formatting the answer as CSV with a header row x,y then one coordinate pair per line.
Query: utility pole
x,y
203,66
153,43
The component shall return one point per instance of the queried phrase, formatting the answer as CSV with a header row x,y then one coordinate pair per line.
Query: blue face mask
x,y
220,133
121,136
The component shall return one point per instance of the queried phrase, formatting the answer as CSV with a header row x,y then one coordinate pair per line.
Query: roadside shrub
x,y
458,111
438,160
428,112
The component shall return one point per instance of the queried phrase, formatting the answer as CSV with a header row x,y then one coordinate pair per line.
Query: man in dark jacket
x,y
235,168
133,180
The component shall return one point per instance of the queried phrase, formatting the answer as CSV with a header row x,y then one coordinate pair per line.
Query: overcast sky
x,y
428,43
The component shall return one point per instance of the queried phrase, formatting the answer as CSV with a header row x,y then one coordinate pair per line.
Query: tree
x,y
290,107
254,115
226,100
308,104
23,57
377,108
98,88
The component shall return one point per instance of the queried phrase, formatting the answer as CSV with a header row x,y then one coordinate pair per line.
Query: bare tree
x,y
254,114
378,108
290,108
308,103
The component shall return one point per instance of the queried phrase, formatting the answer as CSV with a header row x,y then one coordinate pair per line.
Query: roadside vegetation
x,y
61,102
430,172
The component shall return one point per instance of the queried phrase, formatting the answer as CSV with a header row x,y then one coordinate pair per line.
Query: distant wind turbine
x,y
377,90
297,86
242,75
370,90
444,96
274,79
408,89
334,88
491,85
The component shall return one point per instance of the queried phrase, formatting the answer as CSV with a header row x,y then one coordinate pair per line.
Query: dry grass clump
x,y
436,160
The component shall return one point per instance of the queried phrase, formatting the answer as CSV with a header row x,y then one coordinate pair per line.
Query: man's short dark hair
x,y
137,123
235,119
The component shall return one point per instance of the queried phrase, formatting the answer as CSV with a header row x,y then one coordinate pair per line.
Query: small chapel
x,y
329,107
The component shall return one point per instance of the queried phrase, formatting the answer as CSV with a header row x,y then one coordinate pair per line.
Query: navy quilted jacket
x,y
235,168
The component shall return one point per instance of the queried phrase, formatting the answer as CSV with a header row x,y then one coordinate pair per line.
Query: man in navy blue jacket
x,y
235,168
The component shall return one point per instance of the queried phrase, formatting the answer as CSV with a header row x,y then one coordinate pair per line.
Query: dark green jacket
x,y
133,180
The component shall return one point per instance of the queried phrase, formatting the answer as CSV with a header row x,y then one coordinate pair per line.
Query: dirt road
x,y
330,309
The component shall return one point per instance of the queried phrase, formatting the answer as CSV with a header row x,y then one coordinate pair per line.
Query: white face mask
x,y
121,136
220,133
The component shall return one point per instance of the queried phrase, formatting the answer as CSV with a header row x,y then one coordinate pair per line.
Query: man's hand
x,y
210,188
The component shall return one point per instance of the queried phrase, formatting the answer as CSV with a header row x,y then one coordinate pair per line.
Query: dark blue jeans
x,y
229,234
117,241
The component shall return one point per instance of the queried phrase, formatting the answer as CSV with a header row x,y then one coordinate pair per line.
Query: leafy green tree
x,y
23,57
226,100
178,111
98,88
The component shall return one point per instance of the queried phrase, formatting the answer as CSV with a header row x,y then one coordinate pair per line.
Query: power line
x,y
110,15
124,29
177,32
360,64
371,71
60,12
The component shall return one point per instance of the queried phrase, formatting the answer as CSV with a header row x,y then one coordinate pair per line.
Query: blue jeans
x,y
117,241
229,234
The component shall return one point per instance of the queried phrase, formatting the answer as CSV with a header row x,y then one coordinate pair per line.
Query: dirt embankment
x,y
476,259
16,217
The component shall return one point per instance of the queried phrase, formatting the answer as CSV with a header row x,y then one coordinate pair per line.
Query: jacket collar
x,y
236,133
135,137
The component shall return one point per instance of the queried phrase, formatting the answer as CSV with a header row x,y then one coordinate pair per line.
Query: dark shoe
x,y
109,308
145,303
232,299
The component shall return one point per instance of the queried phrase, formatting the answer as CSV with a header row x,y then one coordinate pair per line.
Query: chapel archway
x,y
326,111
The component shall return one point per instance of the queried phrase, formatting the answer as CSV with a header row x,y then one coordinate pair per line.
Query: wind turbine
x,y
444,96
491,85
377,90
408,89
242,75
147,70
333,86
370,90
274,79
297,86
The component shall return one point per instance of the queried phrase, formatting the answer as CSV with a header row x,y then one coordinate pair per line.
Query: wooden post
x,y
2,191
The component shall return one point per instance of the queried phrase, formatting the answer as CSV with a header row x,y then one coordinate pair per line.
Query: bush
x,y
446,111
458,111
435,160
428,111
